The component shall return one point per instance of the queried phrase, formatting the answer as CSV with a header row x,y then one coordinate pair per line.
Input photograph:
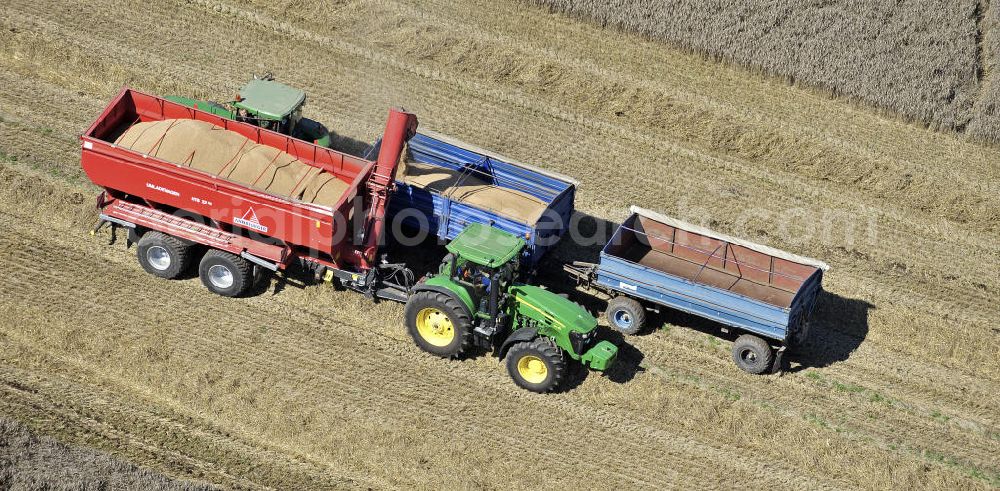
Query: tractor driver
x,y
476,276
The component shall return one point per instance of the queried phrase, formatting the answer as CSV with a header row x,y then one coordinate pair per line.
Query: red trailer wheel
x,y
163,255
225,274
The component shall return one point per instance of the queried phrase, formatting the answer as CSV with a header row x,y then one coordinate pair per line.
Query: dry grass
x,y
310,388
917,59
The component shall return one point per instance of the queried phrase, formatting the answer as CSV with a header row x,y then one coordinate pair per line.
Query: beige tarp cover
x,y
229,155
473,190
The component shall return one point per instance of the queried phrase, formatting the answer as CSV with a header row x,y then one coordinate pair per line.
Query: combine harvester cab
x,y
445,185
653,260
229,203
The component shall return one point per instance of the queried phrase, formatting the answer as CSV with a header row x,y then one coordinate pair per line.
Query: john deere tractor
x,y
476,300
270,105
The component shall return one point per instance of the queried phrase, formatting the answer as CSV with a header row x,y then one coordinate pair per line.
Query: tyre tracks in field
x,y
356,51
888,293
401,394
316,320
804,189
455,18
744,169
848,400
848,370
946,296
28,396
443,72
168,437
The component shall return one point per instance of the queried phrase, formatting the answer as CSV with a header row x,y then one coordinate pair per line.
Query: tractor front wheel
x,y
537,365
438,324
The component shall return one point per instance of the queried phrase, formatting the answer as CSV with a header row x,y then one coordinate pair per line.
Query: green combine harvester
x,y
269,104
475,300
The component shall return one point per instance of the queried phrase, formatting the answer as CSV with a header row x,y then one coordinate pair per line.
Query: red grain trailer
x,y
175,210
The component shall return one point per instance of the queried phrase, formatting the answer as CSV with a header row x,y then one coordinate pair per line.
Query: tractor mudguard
x,y
444,285
524,334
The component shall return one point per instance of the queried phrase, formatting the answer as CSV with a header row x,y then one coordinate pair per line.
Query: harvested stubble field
x,y
311,388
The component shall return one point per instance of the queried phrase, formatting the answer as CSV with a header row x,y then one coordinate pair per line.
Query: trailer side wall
x,y
168,185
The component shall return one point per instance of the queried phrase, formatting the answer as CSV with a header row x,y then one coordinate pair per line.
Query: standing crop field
x,y
927,60
312,388
986,118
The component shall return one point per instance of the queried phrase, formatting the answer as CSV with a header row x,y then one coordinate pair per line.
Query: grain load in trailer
x,y
472,189
209,148
446,185
228,185
654,260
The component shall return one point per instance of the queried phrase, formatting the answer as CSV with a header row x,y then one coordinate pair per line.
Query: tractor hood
x,y
546,306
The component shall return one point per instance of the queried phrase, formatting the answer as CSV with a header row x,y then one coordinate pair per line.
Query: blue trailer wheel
x,y
752,354
626,315
623,319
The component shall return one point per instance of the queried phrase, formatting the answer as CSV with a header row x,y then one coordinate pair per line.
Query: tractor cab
x,y
481,257
477,299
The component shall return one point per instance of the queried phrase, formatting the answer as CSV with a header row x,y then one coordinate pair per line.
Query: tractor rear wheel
x,y
225,274
626,315
752,354
537,365
163,255
438,324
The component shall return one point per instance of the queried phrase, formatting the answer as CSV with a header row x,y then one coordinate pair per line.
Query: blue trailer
x,y
654,260
444,185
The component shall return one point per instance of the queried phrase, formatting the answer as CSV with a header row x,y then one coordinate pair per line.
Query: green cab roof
x,y
269,99
486,246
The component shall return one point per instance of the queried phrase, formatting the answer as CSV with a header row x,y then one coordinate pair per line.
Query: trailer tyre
x,y
626,315
752,354
438,324
537,365
225,274
163,255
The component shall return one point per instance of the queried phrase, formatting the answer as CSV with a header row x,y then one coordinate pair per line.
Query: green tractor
x,y
476,300
270,105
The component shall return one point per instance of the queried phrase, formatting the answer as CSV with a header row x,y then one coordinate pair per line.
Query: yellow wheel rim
x,y
533,369
435,327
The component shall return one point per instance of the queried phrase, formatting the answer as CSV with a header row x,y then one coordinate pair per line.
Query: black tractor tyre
x,y
163,255
260,276
522,365
435,311
626,315
752,354
225,274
